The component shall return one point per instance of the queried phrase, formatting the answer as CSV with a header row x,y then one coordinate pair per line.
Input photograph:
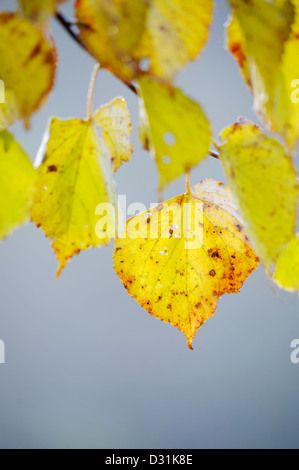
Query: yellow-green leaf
x,y
263,37
286,274
263,180
178,258
114,120
39,11
173,127
27,68
126,37
17,177
75,186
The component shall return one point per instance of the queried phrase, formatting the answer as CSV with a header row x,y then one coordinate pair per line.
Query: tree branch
x,y
67,26
214,154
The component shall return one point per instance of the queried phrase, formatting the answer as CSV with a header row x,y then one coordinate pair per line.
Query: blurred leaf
x,y
16,184
126,37
27,68
39,11
263,180
173,127
286,274
263,37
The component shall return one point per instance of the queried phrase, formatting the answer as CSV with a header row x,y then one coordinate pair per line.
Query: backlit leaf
x,y
263,37
17,177
286,274
39,11
27,68
263,180
178,258
114,120
75,177
126,37
173,127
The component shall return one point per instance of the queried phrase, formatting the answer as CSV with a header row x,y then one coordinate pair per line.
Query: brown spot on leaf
x,y
52,169
236,49
212,273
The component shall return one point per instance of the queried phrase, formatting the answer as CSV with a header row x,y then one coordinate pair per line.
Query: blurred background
x,y
86,366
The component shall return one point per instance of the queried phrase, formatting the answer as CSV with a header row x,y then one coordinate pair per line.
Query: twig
x,y
214,154
67,25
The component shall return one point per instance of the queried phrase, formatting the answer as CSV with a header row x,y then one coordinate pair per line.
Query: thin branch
x,y
214,154
67,25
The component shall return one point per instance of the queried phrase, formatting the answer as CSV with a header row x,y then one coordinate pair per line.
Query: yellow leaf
x,y
75,186
263,180
16,184
114,120
263,37
178,258
39,11
126,37
286,274
27,68
173,127
181,28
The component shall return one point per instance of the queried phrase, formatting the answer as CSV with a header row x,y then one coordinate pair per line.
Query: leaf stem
x,y
188,190
91,89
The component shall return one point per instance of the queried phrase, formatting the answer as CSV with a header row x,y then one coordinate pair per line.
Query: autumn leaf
x,y
268,59
39,11
286,274
126,37
178,258
75,177
114,121
17,177
27,68
173,127
263,181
